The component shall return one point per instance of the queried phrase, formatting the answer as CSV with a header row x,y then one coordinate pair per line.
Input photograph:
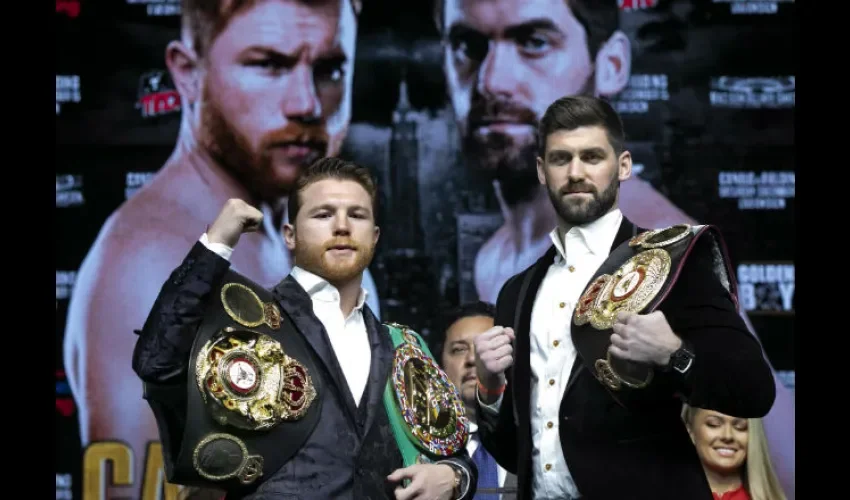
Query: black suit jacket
x,y
352,449
640,449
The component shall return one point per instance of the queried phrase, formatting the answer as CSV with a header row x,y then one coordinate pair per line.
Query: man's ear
x,y
182,62
624,166
289,236
541,175
377,235
613,65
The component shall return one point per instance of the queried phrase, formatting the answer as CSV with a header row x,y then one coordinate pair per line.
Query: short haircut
x,y
572,112
437,339
331,168
600,19
203,20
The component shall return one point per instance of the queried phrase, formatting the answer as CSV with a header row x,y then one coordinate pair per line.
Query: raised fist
x,y
235,218
493,355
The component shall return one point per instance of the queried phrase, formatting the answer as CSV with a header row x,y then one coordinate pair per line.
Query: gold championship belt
x,y
253,393
636,277
424,407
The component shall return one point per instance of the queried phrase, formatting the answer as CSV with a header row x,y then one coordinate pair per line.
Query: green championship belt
x,y
424,407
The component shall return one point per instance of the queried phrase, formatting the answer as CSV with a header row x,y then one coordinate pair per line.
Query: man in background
x,y
266,90
454,349
506,61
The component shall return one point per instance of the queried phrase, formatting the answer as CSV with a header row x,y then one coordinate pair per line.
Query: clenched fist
x,y
493,355
235,218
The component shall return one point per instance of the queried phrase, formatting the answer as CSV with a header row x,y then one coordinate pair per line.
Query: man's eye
x,y
266,64
534,45
329,71
469,48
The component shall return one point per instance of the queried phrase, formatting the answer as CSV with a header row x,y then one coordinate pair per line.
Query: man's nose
x,y
301,102
470,357
497,76
342,225
576,171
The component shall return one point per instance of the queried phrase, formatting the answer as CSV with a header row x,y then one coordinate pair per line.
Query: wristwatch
x,y
681,360
461,482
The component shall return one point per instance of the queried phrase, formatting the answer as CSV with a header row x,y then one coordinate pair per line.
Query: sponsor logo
x,y
739,92
64,284
766,287
70,8
157,94
744,7
757,191
135,181
64,482
67,90
64,400
159,8
641,90
69,190
627,5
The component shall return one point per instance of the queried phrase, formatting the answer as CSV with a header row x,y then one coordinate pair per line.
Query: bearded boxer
x,y
565,398
298,389
265,90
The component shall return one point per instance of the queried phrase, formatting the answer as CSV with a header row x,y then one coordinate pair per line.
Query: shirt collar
x,y
596,237
318,288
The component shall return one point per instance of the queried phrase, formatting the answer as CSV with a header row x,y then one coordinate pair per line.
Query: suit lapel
x,y
522,332
298,306
379,369
625,233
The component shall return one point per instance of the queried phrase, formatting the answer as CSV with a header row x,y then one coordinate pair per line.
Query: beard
x,y
317,260
581,213
511,159
261,169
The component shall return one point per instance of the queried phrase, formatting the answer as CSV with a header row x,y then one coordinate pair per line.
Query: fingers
x,y
618,352
625,317
400,474
619,342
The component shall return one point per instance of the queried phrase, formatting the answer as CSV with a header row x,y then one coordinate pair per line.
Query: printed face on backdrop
x,y
506,61
334,235
458,356
276,90
721,441
582,173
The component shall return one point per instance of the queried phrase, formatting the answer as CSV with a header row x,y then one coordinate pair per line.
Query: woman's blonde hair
x,y
759,476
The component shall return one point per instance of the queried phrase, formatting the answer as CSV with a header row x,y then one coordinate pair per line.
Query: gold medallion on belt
x,y
245,307
430,404
248,381
629,289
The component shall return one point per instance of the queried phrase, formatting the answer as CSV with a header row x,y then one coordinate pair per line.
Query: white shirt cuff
x,y
220,248
493,408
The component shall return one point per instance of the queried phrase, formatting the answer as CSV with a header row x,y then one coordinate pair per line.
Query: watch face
x,y
682,360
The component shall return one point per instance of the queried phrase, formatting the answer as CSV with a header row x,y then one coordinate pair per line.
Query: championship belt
x,y
425,410
636,277
252,393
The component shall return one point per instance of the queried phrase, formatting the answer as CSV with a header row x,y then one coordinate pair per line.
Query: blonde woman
x,y
734,454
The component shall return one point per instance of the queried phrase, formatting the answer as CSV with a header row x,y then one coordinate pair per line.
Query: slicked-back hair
x,y
331,168
572,112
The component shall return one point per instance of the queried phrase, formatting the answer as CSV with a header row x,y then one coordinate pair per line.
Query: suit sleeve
x,y
729,373
464,461
498,429
161,354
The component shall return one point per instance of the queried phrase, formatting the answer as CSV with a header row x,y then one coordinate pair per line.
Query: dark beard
x,y
578,215
499,157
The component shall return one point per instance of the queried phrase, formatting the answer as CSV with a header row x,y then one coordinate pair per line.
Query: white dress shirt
x,y
348,336
579,255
